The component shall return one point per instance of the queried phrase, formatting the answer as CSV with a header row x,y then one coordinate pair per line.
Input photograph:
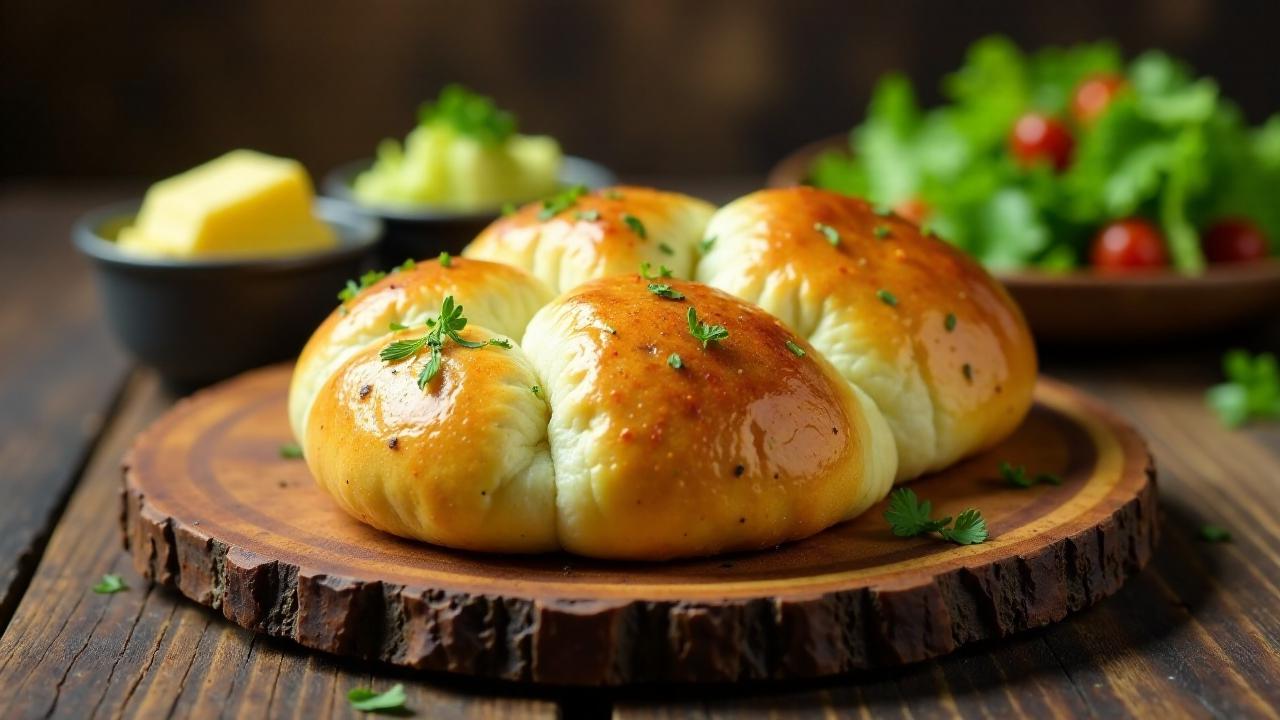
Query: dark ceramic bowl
x,y
425,232
197,321
1087,307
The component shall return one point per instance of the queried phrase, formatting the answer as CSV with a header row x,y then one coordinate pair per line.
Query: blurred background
x,y
147,89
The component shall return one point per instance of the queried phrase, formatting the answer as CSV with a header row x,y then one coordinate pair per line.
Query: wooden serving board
x,y
212,510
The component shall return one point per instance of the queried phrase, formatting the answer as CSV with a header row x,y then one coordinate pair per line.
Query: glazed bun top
x,y
580,236
919,326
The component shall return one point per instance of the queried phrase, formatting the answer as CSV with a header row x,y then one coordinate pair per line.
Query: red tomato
x,y
913,209
1128,244
1234,240
1093,95
1037,137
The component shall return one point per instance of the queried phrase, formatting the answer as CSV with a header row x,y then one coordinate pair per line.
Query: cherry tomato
x,y
1128,244
913,209
1038,137
1234,240
1093,95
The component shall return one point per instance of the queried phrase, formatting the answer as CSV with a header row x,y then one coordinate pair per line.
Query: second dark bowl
x,y
421,233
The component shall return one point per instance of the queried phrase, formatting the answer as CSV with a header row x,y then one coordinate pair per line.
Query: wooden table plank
x,y
146,652
59,372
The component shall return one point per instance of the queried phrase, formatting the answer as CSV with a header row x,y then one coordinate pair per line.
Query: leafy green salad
x,y
1070,157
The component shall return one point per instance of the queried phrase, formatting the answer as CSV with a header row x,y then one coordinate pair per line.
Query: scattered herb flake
x,y
352,289
561,201
704,333
636,226
674,361
950,322
666,291
446,260
881,231
833,237
500,342
366,700
110,583
536,389
407,265
887,298
666,249
1214,534
663,271
704,245
291,451
795,349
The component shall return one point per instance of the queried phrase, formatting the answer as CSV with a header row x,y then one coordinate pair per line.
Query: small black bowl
x,y
197,321
425,232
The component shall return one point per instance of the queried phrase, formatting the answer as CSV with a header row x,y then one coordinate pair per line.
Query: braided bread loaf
x,y
651,417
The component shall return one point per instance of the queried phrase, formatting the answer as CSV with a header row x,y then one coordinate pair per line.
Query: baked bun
x,y
586,436
919,326
498,297
579,236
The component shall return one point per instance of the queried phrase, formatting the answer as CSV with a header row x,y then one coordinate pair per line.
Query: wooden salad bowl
x,y
214,511
1084,306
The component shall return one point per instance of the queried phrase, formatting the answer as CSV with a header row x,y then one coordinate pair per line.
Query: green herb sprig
x,y
1017,476
470,114
447,326
291,451
636,225
704,333
666,291
110,584
561,201
908,516
365,700
353,288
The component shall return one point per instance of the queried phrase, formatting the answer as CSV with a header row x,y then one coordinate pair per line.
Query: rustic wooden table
x,y
1197,634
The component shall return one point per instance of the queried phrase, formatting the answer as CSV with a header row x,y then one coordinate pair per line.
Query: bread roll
x,y
589,436
916,324
496,296
598,234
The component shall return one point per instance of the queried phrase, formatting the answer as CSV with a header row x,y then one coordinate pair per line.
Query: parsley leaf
x,y
291,451
636,226
666,291
448,325
674,361
366,700
887,298
666,249
950,322
704,245
1214,533
109,584
446,260
407,265
908,516
501,342
561,201
1252,389
663,271
970,528
535,389
795,349
401,349
704,333
832,235
351,289
1015,475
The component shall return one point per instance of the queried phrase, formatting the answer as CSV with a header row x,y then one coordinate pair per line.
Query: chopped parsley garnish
x,y
967,369
704,333
470,114
447,326
909,517
1252,389
366,700
446,260
833,237
887,298
1214,534
110,583
407,265
950,322
536,389
646,268
561,201
291,451
587,215
881,231
397,326
500,342
704,245
674,361
636,226
352,288
1016,475
666,291
795,349
666,249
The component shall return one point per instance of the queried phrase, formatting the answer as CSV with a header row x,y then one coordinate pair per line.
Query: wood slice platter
x,y
213,510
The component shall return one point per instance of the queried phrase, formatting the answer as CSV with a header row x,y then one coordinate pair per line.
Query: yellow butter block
x,y
243,203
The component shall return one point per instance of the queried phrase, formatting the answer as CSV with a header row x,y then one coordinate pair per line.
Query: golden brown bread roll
x,y
576,238
590,436
915,323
